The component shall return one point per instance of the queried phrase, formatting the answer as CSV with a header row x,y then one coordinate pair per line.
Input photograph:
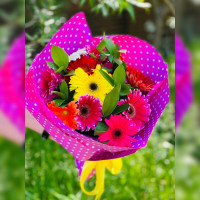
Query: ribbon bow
x,y
114,166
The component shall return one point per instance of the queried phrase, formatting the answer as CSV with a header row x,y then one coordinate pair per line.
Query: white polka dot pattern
x,y
80,146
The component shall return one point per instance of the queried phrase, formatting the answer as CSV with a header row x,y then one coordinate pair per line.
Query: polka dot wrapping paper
x,y
74,35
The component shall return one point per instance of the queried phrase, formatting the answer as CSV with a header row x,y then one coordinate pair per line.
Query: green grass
x,y
149,174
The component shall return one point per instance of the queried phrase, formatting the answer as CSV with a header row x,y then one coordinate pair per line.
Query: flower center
x,y
65,112
131,111
84,111
117,133
93,86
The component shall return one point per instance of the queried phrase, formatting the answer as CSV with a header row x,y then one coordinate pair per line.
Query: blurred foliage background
x,y
12,14
187,136
148,174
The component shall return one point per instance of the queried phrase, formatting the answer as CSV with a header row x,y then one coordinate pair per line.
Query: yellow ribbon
x,y
114,166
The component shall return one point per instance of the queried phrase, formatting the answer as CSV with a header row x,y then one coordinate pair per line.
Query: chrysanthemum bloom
x,y
119,132
77,55
138,80
89,112
139,109
66,114
47,83
95,84
84,62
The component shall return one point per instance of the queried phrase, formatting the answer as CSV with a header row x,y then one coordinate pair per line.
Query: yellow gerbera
x,y
94,84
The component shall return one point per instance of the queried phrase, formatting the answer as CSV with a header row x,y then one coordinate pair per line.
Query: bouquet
x,y
99,97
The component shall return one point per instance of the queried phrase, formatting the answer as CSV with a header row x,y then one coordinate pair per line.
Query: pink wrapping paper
x,y
74,35
12,84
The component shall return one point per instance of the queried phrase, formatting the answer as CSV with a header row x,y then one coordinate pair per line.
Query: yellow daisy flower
x,y
94,84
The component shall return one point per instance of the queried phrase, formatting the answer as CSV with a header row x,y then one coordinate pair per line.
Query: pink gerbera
x,y
47,83
139,109
119,132
89,112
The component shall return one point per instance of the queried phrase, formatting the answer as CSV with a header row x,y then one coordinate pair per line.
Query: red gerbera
x,y
138,80
139,109
89,112
85,62
66,114
119,132
48,82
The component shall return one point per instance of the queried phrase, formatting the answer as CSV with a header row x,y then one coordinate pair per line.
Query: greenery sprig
x,y
61,60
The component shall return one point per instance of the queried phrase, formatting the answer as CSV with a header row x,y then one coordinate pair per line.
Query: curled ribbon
x,y
114,166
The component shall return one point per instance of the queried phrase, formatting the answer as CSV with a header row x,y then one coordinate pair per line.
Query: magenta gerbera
x,y
139,109
119,132
47,83
89,112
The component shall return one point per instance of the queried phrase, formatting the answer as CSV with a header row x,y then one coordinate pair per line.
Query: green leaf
x,y
107,77
125,89
116,55
101,45
92,55
62,68
110,58
102,56
64,89
100,128
124,64
118,61
119,75
91,2
105,10
130,9
110,45
120,109
60,94
123,51
82,2
71,95
52,65
117,47
111,100
59,56
106,68
58,102
72,72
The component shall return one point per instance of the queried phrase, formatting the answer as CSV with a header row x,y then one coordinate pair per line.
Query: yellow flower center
x,y
65,112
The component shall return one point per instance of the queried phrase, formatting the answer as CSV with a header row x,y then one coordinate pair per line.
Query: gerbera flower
x,y
89,112
95,84
66,114
119,132
48,82
139,109
84,62
138,80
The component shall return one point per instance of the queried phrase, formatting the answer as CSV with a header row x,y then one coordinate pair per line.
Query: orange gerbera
x,y
66,114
